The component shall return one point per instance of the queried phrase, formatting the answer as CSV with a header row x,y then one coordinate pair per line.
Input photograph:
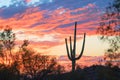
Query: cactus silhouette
x,y
72,52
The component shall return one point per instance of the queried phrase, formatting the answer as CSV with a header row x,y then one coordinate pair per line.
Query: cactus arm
x,y
74,47
67,49
82,47
71,48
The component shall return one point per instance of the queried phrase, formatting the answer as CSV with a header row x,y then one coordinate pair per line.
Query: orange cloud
x,y
46,29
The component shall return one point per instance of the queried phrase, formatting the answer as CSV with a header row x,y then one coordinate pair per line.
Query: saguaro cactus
x,y
72,52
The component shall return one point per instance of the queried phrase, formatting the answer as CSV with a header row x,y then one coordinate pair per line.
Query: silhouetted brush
x,y
72,52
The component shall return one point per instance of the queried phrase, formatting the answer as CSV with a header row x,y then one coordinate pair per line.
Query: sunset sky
x,y
46,23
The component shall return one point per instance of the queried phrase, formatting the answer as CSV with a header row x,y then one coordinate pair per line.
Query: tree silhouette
x,y
33,63
7,40
25,61
110,29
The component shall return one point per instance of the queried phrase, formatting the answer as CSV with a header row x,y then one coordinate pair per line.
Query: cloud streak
x,y
45,23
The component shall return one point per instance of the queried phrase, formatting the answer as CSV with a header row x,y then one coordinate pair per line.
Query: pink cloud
x,y
24,25
27,1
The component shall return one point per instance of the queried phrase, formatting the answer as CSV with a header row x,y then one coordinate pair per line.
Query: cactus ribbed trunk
x,y
73,65
72,52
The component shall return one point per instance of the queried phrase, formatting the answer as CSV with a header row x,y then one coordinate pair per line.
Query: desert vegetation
x,y
25,62
22,62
